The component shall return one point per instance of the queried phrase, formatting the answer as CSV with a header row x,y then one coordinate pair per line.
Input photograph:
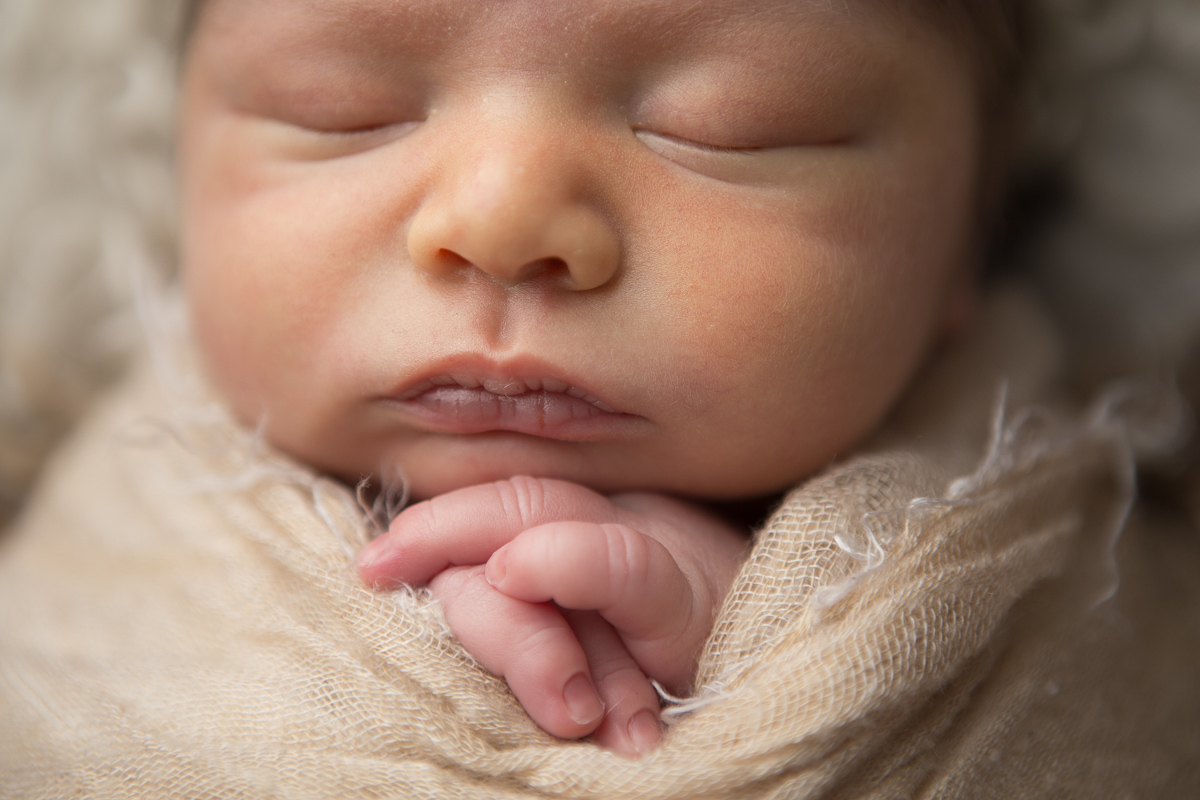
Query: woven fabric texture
x,y
944,615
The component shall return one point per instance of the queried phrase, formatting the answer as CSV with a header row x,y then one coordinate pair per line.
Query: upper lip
x,y
507,377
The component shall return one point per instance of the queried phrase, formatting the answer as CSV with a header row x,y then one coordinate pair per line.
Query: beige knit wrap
x,y
940,616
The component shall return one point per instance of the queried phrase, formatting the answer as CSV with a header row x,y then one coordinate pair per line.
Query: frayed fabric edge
x,y
1017,444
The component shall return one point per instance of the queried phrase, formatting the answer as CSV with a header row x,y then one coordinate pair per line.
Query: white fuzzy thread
x,y
871,554
1018,444
386,504
675,708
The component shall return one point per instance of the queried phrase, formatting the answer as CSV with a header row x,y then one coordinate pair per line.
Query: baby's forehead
x,y
650,20
792,37
761,60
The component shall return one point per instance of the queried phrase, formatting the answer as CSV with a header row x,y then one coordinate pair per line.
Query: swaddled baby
x,y
571,271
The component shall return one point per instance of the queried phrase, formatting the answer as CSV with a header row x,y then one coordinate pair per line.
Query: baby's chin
x,y
491,458
601,469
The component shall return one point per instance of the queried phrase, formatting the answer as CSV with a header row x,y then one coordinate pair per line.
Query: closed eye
x,y
718,161
751,165
307,141
366,129
707,147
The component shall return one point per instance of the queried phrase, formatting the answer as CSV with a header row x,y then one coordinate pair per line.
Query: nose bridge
x,y
515,184
516,198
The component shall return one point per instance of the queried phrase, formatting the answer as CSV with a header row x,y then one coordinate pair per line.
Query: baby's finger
x,y
632,726
631,579
530,645
466,526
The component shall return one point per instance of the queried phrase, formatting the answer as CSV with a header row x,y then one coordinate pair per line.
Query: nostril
x,y
551,266
449,260
447,263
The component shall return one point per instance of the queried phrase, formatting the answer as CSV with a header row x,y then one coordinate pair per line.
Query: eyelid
x,y
358,139
353,131
350,117
302,142
763,166
707,147
723,163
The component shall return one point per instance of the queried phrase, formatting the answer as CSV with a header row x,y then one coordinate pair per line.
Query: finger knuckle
x,y
630,680
537,648
628,558
521,498
458,584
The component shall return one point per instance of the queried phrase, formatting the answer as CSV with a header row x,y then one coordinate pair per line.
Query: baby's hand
x,y
575,599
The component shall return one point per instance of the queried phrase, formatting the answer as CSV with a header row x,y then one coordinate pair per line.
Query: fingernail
x,y
583,704
497,567
645,731
370,554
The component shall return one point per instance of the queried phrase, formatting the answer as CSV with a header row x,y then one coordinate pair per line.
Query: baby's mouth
x,y
545,407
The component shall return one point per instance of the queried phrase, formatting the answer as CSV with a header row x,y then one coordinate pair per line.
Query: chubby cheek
x,y
263,297
770,345
804,323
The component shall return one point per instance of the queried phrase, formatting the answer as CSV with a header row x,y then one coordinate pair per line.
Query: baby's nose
x,y
516,214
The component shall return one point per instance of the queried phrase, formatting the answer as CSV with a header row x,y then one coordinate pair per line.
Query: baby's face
x,y
695,246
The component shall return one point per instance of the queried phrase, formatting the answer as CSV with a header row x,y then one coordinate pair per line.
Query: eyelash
x,y
749,150
682,140
360,131
706,147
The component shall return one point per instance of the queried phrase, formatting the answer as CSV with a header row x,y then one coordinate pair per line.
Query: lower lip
x,y
551,415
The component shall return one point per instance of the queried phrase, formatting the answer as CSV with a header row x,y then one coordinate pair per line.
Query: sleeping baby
x,y
667,317
571,270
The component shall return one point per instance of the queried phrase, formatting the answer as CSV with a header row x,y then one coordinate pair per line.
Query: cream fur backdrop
x,y
87,204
